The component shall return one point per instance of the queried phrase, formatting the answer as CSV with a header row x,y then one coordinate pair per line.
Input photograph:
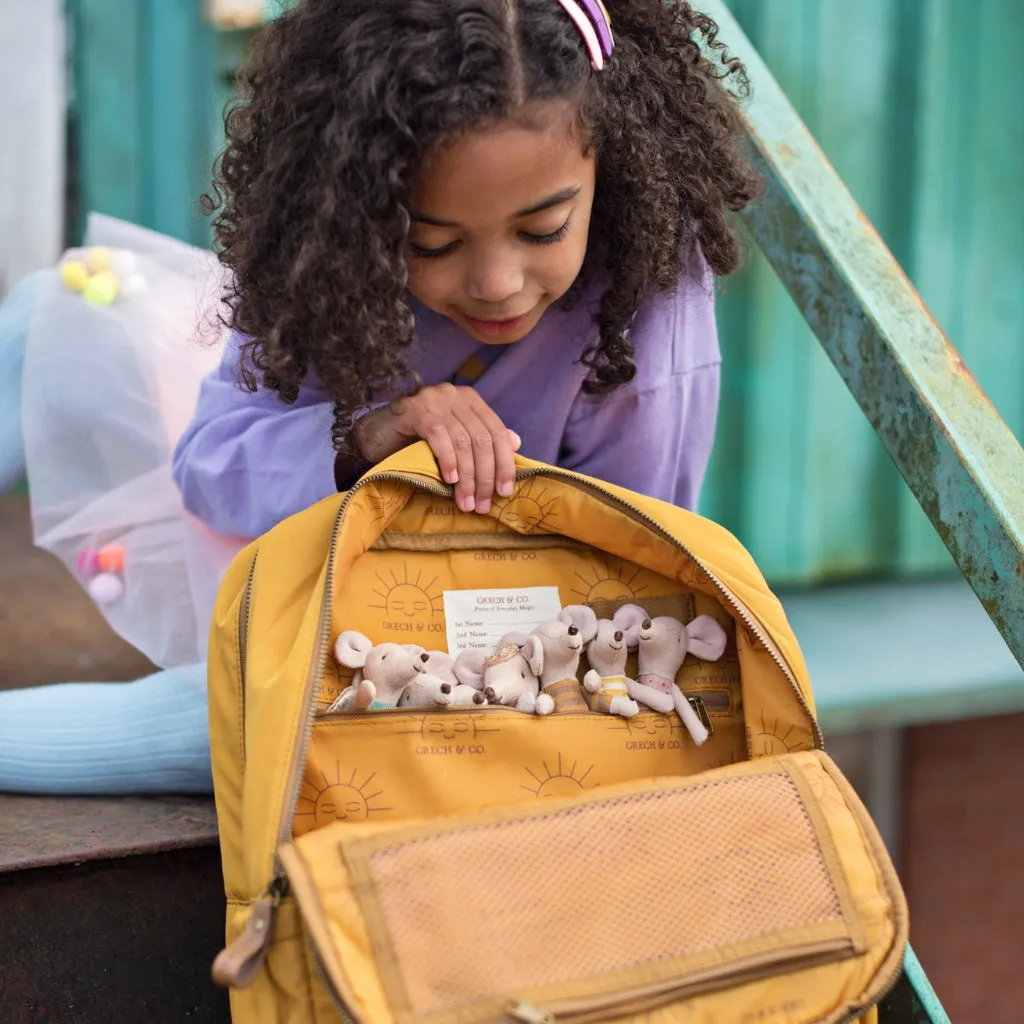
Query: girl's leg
x,y
150,736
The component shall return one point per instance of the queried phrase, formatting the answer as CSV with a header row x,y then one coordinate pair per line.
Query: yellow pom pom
x,y
98,258
74,274
101,289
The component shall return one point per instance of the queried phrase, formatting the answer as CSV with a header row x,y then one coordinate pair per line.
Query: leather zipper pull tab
x,y
237,965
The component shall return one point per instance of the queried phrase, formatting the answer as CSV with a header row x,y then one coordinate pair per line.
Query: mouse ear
x,y
705,638
469,668
583,618
533,652
440,663
628,619
351,648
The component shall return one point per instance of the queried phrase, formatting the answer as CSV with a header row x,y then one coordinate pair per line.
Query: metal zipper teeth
x,y
439,490
243,639
325,980
646,998
493,709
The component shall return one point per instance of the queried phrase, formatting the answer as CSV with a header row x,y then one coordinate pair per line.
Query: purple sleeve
x,y
656,442
248,460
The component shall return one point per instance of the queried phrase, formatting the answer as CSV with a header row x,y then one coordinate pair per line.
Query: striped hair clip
x,y
594,24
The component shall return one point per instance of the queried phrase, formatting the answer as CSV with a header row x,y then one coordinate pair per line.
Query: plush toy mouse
x,y
427,691
663,644
509,676
383,672
606,683
442,666
562,641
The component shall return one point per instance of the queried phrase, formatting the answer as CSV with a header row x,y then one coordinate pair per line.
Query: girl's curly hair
x,y
341,101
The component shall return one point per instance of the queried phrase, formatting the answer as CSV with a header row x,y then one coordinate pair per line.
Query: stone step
x,y
112,910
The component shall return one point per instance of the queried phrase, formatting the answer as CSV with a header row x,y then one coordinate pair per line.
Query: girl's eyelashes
x,y
555,236
432,254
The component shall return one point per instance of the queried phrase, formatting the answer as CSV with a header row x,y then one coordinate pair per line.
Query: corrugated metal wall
x,y
920,106
918,103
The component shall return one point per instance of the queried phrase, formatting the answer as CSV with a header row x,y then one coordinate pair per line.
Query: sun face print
x,y
564,781
529,510
450,726
650,725
384,502
773,737
609,581
343,798
405,594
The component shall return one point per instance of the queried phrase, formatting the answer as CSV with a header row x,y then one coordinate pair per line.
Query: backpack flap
x,y
759,885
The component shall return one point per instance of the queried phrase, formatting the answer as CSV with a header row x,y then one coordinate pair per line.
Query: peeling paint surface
x,y
956,454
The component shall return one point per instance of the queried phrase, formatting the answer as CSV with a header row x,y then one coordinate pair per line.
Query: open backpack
x,y
456,857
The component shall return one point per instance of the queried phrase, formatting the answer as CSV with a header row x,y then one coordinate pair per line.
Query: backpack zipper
x,y
644,998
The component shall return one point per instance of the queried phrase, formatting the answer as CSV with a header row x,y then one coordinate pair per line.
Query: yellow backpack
x,y
483,864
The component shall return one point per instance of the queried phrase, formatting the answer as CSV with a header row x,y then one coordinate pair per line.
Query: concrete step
x,y
112,910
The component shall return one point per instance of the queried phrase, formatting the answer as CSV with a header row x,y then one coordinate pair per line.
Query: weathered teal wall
x,y
918,103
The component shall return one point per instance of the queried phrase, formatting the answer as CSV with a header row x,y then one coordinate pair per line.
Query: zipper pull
x,y
527,1013
237,965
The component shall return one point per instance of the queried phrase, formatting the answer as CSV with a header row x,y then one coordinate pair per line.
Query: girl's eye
x,y
555,236
431,254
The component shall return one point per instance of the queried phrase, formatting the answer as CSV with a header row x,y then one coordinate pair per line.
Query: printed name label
x,y
478,619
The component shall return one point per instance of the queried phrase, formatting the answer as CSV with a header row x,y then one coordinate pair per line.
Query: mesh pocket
x,y
599,890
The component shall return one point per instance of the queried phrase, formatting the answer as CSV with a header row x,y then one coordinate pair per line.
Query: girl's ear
x,y
705,638
351,648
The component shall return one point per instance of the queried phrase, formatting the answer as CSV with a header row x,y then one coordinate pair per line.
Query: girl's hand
x,y
472,446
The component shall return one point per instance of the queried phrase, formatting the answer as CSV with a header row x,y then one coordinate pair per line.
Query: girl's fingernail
x,y
516,439
485,507
451,477
505,489
468,504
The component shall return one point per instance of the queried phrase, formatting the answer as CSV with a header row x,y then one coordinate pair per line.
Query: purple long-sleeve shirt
x,y
248,461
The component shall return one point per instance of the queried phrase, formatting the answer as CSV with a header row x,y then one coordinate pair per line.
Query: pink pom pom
x,y
88,561
105,588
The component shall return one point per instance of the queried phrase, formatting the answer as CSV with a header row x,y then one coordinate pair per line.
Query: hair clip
x,y
592,20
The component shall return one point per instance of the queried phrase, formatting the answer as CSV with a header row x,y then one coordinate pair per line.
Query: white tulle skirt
x,y
122,333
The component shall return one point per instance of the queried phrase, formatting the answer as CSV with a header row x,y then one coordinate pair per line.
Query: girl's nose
x,y
495,279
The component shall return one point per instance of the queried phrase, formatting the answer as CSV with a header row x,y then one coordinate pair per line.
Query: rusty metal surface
x,y
113,941
957,455
40,831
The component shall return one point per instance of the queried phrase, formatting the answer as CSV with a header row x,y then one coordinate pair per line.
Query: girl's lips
x,y
497,328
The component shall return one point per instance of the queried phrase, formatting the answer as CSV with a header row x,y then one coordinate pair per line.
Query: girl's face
x,y
499,223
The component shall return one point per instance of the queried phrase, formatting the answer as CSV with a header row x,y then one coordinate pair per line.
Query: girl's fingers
x,y
462,443
440,441
483,458
502,449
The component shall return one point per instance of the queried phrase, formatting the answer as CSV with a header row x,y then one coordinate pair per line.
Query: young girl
x,y
490,224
